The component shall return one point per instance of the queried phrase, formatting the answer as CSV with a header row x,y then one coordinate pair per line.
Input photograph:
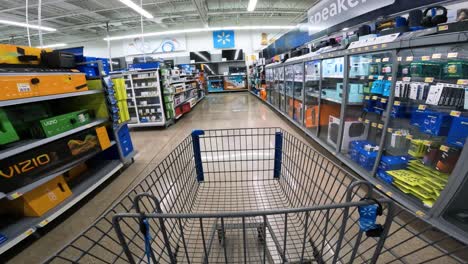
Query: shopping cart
x,y
250,196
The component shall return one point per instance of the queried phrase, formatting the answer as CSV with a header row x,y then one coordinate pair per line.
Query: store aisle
x,y
216,111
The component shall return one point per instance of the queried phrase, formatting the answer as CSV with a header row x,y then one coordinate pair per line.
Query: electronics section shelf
x,y
144,98
26,226
396,114
47,97
180,94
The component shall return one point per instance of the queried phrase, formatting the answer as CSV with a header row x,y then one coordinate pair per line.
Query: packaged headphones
x,y
434,19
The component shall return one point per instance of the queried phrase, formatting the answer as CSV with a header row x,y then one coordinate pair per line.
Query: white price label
x,y
409,58
452,55
23,87
436,55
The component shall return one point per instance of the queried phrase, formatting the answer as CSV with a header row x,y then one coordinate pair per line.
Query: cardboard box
x,y
58,124
7,131
40,200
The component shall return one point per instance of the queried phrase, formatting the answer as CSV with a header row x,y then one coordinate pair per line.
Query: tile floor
x,y
230,110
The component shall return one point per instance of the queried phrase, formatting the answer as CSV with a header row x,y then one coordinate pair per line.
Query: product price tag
x,y
367,121
43,223
366,48
371,77
444,148
380,126
389,130
420,213
362,78
374,124
29,232
429,79
409,137
397,103
384,45
427,143
15,195
378,60
452,55
375,47
407,79
379,186
455,113
436,55
390,78
443,27
385,59
425,58
359,49
360,119
389,194
380,77
352,50
409,58
374,97
462,82
383,100
23,87
398,133
399,58
367,97
422,107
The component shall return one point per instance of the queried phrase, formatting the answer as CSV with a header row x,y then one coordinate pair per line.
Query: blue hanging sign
x,y
223,39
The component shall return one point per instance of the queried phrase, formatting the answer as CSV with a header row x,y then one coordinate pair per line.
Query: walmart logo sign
x,y
223,39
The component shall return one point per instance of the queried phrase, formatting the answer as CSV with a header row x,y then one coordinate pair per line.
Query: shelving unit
x,y
365,95
144,85
181,93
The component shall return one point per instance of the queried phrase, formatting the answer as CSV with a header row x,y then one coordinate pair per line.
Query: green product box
x,y
7,131
425,69
94,84
456,69
167,98
58,124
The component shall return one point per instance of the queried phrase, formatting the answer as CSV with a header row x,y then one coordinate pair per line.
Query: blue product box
x,y
458,131
417,117
354,148
367,159
377,87
125,140
436,123
384,176
369,104
144,66
393,162
399,111
88,71
387,88
380,106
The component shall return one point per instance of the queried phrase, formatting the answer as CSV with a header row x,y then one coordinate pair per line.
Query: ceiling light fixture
x,y
251,6
196,30
57,45
344,29
137,8
19,24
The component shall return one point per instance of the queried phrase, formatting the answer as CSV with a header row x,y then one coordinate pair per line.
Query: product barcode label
x,y
23,87
425,58
385,59
380,126
452,55
462,82
396,103
384,45
390,130
378,60
367,97
436,55
374,97
409,58
406,79
455,113
399,58
367,121
374,124
422,107
375,47
383,100
444,148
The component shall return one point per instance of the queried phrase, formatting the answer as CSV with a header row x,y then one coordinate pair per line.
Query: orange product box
x,y
20,84
75,171
312,114
40,200
20,55
298,110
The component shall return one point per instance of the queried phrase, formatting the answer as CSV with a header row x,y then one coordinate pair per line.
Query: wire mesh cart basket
x,y
252,196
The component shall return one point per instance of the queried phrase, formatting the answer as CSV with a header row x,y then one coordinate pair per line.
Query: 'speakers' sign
x,y
328,13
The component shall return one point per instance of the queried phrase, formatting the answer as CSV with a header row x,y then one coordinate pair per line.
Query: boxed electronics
x,y
20,55
58,124
312,114
458,132
58,60
456,69
352,130
367,156
393,162
35,164
425,69
39,201
7,131
436,123
24,83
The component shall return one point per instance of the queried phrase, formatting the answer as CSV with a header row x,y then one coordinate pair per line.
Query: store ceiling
x,y
85,20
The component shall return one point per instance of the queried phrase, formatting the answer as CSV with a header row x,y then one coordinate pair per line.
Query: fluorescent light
x,y
344,29
251,6
57,45
137,8
196,30
19,24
